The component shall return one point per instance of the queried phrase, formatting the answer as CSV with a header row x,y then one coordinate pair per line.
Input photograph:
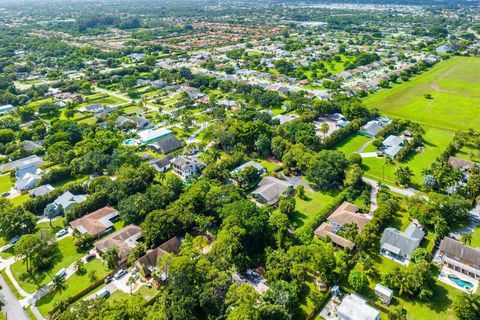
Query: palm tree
x,y
58,283
130,282
466,238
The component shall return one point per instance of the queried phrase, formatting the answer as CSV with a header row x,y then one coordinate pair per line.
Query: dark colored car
x,y
90,257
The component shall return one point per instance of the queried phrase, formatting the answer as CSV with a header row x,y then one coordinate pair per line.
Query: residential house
x,y
460,257
346,213
167,145
41,190
27,177
285,118
14,165
6,109
392,145
31,146
354,307
260,169
161,165
464,165
270,189
124,240
373,127
152,135
401,245
140,123
92,108
187,167
149,262
67,200
97,222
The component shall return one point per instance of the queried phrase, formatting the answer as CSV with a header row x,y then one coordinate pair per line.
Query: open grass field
x,y
68,255
73,285
455,88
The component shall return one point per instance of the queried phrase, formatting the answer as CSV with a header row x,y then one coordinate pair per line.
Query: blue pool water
x,y
129,142
461,283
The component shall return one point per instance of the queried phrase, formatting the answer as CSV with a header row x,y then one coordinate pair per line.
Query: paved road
x,y
12,307
404,192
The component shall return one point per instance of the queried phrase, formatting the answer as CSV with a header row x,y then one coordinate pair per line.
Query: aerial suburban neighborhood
x,y
240,160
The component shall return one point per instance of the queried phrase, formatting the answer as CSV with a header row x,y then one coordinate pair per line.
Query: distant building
x,y
401,245
354,307
464,165
285,118
41,191
6,109
14,165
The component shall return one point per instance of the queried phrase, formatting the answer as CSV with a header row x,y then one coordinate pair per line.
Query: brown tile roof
x,y
348,213
93,223
124,240
150,259
461,163
325,230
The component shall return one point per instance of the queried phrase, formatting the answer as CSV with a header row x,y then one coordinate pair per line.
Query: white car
x,y
61,233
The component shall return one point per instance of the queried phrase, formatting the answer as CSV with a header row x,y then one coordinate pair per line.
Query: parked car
x,y
90,257
108,279
61,233
5,194
62,273
14,240
103,293
120,274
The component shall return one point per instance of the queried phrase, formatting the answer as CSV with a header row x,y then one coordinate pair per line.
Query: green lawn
x,y
269,165
476,238
5,183
306,210
352,144
68,255
17,201
73,285
455,87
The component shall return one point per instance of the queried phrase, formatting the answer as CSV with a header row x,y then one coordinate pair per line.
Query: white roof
x,y
393,141
150,134
383,290
354,307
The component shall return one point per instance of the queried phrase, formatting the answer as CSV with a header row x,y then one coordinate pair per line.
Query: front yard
x,y
31,283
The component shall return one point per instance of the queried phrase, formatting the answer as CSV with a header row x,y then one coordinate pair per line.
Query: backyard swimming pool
x,y
130,142
461,283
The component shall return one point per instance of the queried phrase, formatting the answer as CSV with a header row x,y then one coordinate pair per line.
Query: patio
x,y
447,274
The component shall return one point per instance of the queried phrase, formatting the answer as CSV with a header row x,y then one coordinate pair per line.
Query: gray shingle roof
x,y
402,242
460,251
167,145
